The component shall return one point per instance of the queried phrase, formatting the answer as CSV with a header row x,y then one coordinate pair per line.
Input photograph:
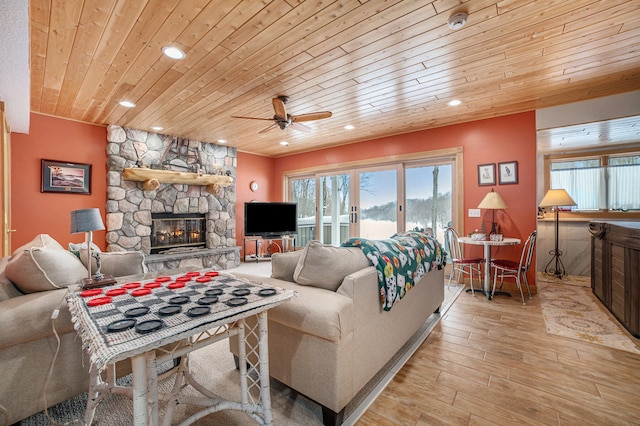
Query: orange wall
x,y
510,138
259,169
34,212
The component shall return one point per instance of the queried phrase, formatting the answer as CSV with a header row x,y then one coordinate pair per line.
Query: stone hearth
x,y
129,206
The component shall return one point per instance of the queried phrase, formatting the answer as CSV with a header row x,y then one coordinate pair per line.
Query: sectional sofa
x,y
331,339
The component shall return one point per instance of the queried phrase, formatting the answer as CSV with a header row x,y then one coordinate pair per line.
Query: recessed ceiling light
x,y
454,102
349,127
284,143
127,104
173,52
222,141
157,128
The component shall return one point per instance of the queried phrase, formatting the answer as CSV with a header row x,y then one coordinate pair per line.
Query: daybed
x,y
33,285
331,339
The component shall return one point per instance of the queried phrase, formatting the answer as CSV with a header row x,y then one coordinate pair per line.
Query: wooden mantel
x,y
151,178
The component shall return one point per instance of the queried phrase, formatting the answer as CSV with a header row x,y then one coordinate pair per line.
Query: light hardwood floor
x,y
492,362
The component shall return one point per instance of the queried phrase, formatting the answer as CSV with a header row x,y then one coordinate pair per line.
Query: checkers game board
x,y
115,322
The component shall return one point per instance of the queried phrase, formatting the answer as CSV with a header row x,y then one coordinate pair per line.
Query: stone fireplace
x,y
171,232
132,207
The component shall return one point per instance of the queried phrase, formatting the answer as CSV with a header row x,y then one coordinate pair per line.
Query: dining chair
x,y
516,270
461,264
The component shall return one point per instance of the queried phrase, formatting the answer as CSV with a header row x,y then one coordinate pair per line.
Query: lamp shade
x,y
86,220
493,201
557,197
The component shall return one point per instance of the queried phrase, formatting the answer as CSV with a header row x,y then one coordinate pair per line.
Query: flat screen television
x,y
270,219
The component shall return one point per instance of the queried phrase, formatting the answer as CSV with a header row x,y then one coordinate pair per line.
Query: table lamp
x,y
87,220
555,198
492,201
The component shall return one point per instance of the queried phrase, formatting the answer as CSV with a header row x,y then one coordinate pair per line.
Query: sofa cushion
x,y
325,266
44,265
283,265
314,311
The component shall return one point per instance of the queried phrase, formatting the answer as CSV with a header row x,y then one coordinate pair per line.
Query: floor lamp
x,y
555,198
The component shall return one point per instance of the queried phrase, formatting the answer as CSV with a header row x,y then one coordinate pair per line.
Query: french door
x,y
375,201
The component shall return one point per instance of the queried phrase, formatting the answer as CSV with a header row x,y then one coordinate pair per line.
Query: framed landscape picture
x,y
60,176
508,173
486,174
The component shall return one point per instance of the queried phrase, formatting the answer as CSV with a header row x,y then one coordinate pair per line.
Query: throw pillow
x,y
7,289
44,265
283,265
116,263
325,266
75,248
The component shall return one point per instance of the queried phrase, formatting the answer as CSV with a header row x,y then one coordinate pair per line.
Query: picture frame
x,y
508,173
486,174
63,176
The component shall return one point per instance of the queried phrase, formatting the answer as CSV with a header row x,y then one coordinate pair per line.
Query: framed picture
x,y
508,173
486,174
60,176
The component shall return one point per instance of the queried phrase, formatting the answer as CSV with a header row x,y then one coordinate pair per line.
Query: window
x,y
599,183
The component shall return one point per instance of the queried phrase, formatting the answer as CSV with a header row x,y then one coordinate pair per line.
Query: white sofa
x,y
33,284
331,339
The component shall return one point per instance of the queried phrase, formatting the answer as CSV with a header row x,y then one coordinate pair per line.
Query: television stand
x,y
265,247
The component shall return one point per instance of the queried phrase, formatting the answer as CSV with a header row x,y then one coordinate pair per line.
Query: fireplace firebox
x,y
170,232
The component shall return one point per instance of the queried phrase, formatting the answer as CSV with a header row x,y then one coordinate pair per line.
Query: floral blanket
x,y
401,261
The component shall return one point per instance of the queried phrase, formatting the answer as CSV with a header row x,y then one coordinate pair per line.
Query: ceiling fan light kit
x,y
458,20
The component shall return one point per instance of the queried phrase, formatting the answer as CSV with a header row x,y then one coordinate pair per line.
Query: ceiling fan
x,y
283,120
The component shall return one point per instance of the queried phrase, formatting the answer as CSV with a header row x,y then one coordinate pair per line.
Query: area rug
x,y
572,311
214,368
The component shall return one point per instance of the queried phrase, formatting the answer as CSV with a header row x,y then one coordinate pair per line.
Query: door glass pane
x,y
428,192
335,209
378,204
304,193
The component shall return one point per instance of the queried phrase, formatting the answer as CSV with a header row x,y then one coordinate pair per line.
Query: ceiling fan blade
x,y
273,126
301,127
252,118
311,116
279,108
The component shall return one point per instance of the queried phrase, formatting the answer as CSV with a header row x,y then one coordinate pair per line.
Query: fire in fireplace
x,y
171,231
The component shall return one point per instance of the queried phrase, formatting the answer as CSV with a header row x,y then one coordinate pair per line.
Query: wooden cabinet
x,y
615,270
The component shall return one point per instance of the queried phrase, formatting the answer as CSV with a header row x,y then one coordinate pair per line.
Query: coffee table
x,y
157,337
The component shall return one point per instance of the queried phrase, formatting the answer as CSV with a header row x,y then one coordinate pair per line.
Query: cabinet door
x,y
597,284
618,282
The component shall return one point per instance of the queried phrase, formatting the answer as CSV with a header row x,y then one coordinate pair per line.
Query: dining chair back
x,y
461,265
517,270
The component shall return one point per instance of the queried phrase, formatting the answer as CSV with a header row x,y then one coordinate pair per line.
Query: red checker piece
x,y
203,279
163,279
193,274
129,286
99,301
212,274
91,293
141,292
184,279
116,292
177,284
152,284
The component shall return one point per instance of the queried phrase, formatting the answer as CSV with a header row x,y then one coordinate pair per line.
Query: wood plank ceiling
x,y
385,67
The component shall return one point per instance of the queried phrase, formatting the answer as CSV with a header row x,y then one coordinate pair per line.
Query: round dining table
x,y
487,243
